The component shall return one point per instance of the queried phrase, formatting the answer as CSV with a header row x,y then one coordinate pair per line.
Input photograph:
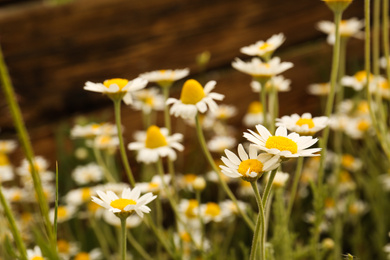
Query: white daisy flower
x,y
319,89
92,130
165,78
286,146
7,146
6,170
94,254
129,202
34,254
186,181
64,213
348,28
147,100
194,98
14,194
357,81
351,163
77,197
303,125
249,168
278,82
262,70
155,185
231,207
219,143
381,84
358,127
384,179
156,143
85,174
254,115
223,112
245,189
66,249
384,62
106,142
280,179
117,88
264,49
338,122
131,222
211,211
40,163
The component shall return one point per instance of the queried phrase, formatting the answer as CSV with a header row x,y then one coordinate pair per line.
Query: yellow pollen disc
x,y
26,217
192,205
329,203
347,160
353,209
62,212
154,138
153,185
192,92
282,144
265,46
162,71
189,178
212,209
305,121
185,237
148,100
63,246
37,258
122,203
363,107
82,256
255,107
345,177
363,125
4,161
120,82
252,164
105,139
361,76
85,194
17,196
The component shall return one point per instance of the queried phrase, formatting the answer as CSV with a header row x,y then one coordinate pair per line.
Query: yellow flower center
x,y
305,121
265,46
384,85
212,209
361,76
363,125
252,164
329,203
192,92
4,161
63,246
122,203
255,108
189,178
62,212
282,144
85,194
153,185
185,237
154,138
345,177
120,82
192,205
363,107
162,71
37,258
82,256
17,196
347,160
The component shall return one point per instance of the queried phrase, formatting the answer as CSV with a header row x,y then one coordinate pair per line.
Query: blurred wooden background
x,y
52,50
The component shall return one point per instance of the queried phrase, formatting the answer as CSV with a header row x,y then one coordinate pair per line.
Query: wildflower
x,y
280,179
189,209
77,197
211,211
6,171
384,179
106,142
245,189
64,213
92,130
358,208
254,114
249,168
155,144
223,112
155,185
94,254
165,78
278,82
262,70
231,208
381,85
303,125
7,146
384,62
286,146
14,194
264,49
338,5
117,89
357,81
348,28
186,181
34,254
66,249
220,143
147,100
199,183
86,174
351,163
328,243
319,89
131,222
338,122
358,127
194,99
127,204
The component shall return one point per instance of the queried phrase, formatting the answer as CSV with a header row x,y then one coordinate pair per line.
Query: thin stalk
x,y
125,160
225,187
123,237
375,38
385,35
268,187
263,100
102,239
201,222
138,247
167,117
99,160
26,144
14,229
294,188
260,226
56,205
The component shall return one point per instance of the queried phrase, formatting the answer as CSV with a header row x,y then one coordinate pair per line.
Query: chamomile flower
x,y
254,115
7,146
303,125
92,130
186,181
193,99
34,254
278,82
165,78
231,208
156,143
106,142
248,167
211,211
77,197
64,213
348,28
223,112
358,127
280,179
382,86
357,81
15,194
117,88
384,62
319,89
67,249
351,163
262,70
189,209
147,100
219,143
85,174
94,254
6,170
129,203
155,185
286,146
264,49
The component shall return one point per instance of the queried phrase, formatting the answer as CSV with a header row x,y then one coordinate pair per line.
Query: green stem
x,y
99,160
102,239
375,37
26,144
260,226
225,187
56,205
138,247
294,187
14,229
123,234
202,229
263,100
167,116
125,160
268,187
